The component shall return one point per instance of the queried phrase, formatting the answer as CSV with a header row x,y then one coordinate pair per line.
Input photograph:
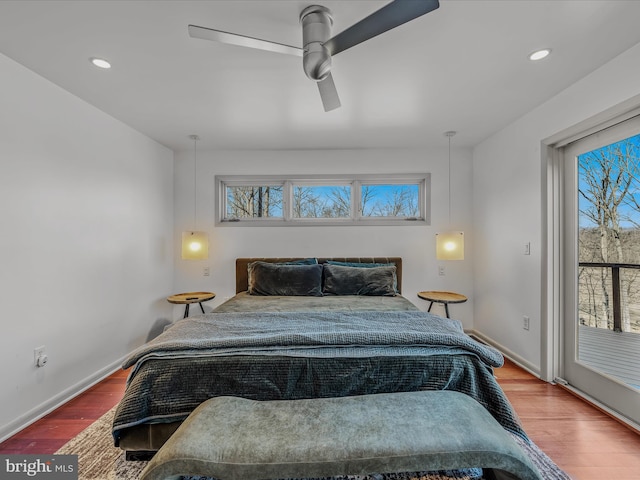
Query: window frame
x,y
423,180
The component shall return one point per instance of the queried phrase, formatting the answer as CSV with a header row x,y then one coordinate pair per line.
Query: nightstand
x,y
189,298
442,297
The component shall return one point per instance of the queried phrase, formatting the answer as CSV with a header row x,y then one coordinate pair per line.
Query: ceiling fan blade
x,y
390,16
242,40
328,94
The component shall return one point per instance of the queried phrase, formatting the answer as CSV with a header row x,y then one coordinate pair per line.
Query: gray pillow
x,y
302,261
341,280
287,280
358,264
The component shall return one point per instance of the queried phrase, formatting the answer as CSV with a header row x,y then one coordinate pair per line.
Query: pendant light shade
x,y
195,245
450,245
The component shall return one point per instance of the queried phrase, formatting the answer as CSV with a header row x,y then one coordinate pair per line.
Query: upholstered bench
x,y
232,438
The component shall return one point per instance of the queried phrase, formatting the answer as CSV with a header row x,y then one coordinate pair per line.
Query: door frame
x,y
552,262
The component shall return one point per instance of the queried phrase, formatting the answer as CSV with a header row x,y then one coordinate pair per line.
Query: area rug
x,y
98,459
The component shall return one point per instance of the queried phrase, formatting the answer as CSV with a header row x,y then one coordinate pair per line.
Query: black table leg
x,y
186,310
201,307
446,308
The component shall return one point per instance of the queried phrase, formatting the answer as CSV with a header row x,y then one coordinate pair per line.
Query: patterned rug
x,y
98,459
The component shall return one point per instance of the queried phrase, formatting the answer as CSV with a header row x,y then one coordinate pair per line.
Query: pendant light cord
x,y
449,134
195,139
449,180
195,180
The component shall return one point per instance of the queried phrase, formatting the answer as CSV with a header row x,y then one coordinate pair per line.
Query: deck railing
x,y
615,286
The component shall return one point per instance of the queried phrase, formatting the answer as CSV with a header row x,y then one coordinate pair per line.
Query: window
x,y
327,200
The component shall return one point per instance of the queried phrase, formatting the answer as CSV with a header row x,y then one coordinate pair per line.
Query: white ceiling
x,y
462,67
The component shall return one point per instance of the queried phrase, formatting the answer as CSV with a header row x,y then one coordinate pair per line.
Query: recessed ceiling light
x,y
539,54
100,62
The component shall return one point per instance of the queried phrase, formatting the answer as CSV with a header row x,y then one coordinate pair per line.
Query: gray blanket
x,y
311,354
315,334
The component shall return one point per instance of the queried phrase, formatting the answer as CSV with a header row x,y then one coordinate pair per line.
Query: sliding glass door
x,y
601,268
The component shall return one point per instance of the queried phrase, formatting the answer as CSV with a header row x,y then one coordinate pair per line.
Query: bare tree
x,y
341,201
400,201
609,176
308,202
324,201
368,193
253,202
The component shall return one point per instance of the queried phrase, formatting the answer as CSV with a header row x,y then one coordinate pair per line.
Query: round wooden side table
x,y
191,297
442,297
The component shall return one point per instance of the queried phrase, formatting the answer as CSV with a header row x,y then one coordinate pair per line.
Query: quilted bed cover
x,y
278,355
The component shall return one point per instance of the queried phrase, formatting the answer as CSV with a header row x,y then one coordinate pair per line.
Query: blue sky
x,y
626,212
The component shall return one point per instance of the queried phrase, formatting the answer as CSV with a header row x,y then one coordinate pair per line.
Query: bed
x,y
303,328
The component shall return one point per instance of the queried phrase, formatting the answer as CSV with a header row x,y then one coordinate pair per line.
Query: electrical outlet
x,y
441,271
525,322
527,248
205,271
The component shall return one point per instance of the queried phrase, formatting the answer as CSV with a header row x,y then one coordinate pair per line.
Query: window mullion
x,y
287,200
356,202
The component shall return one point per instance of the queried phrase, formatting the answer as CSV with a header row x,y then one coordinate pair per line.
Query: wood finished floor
x,y
55,429
586,443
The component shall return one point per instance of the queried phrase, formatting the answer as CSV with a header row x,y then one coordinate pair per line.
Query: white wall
x,y
508,206
86,261
416,244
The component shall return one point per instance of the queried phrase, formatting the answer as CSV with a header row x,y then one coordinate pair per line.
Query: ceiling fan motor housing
x,y
316,30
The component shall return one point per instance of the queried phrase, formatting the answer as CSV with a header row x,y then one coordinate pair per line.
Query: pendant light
x,y
195,245
450,245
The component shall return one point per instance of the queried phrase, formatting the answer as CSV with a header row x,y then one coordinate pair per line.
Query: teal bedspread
x,y
306,354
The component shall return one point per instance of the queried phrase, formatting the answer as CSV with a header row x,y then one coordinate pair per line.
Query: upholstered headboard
x,y
242,274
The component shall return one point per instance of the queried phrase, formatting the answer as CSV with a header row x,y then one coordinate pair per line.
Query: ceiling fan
x,y
318,45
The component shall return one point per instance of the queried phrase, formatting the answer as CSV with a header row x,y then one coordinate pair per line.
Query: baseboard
x,y
515,358
63,397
